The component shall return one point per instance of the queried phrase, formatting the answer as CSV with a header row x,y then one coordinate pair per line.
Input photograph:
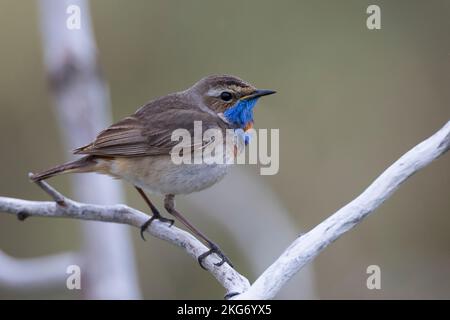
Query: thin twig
x,y
55,195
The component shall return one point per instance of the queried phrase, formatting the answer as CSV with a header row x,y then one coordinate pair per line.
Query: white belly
x,y
158,174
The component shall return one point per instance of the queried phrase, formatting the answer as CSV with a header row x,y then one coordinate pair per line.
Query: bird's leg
x,y
169,204
155,212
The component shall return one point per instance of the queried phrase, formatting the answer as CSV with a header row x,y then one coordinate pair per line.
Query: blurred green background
x,y
350,101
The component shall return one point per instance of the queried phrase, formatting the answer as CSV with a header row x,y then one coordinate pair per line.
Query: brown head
x,y
222,92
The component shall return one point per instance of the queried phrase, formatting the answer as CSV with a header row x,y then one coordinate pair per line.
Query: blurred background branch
x,y
83,109
36,273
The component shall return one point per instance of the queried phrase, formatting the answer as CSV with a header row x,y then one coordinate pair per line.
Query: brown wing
x,y
149,130
122,138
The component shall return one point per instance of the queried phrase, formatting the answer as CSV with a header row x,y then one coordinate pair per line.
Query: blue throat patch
x,y
241,113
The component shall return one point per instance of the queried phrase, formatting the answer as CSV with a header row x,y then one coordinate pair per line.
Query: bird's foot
x,y
149,222
213,248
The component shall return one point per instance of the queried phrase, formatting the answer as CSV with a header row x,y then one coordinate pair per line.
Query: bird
x,y
137,149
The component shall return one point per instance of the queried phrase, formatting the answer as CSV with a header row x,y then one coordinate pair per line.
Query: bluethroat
x,y
137,148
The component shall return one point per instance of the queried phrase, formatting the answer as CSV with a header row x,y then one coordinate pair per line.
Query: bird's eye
x,y
226,96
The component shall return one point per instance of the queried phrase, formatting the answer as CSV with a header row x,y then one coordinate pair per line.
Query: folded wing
x,y
148,132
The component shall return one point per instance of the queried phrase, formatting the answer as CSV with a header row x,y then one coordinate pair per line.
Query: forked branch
x,y
303,250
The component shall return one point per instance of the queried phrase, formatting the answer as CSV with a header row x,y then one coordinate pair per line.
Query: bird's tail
x,y
84,164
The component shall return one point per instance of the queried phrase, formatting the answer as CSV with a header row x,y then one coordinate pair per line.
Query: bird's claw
x,y
213,248
149,222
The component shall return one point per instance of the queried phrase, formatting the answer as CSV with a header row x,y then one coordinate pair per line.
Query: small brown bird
x,y
138,148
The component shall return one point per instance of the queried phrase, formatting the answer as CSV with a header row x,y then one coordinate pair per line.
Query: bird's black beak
x,y
258,93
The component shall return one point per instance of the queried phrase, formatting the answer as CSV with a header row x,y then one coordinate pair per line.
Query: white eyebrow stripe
x,y
215,92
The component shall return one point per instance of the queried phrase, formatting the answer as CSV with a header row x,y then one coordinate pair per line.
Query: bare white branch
x,y
258,249
297,255
308,246
230,279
